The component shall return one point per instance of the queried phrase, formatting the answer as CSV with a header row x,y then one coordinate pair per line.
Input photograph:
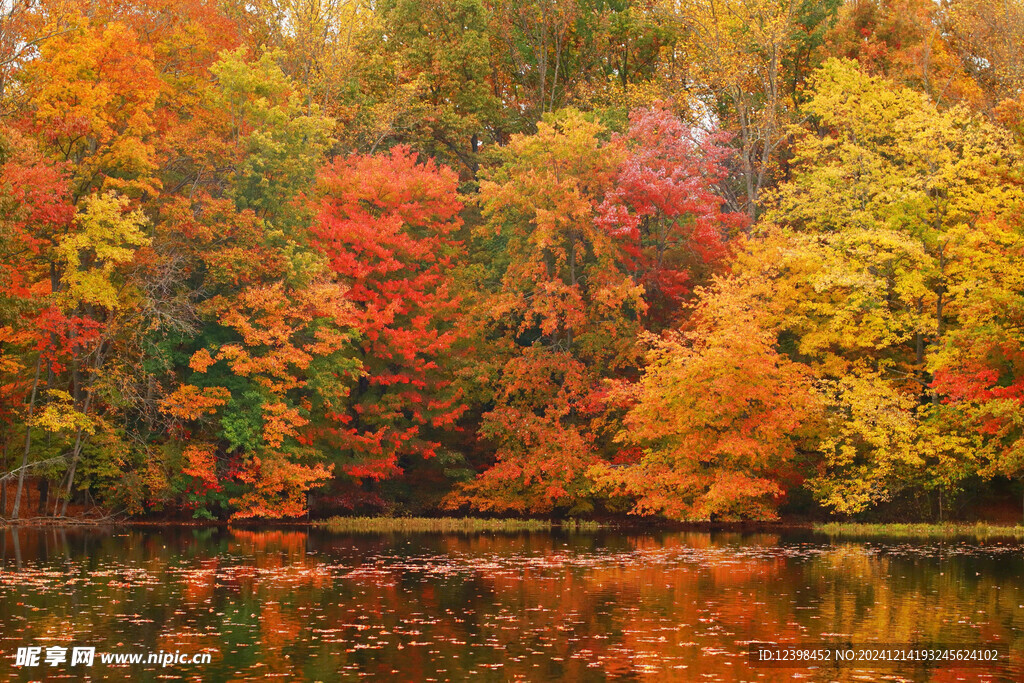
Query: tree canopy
x,y
702,259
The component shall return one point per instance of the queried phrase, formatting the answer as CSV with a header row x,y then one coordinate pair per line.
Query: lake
x,y
298,604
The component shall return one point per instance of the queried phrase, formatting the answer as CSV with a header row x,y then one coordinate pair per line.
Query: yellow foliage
x,y
107,236
59,415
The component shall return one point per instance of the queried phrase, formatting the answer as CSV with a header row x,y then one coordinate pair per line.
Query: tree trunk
x,y
44,493
28,441
3,484
79,442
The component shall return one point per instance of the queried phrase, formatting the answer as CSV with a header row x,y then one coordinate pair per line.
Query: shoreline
x,y
413,525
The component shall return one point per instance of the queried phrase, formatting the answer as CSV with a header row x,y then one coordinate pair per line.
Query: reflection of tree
x,y
909,595
534,606
262,544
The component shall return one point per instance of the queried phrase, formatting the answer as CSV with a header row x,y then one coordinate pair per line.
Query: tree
x,y
748,61
564,314
908,42
877,224
979,369
427,80
585,235
279,140
665,211
91,96
250,398
722,417
36,211
387,225
987,36
255,333
536,49
317,43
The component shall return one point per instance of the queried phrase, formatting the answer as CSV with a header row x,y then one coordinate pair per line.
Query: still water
x,y
300,604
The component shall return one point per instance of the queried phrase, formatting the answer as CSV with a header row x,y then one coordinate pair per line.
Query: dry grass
x,y
449,525
947,530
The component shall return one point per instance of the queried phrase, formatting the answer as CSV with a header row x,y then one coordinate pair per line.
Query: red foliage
x,y
386,222
60,337
665,208
990,384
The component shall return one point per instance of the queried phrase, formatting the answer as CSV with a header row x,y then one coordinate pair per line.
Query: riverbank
x,y
946,530
469,525
337,524
449,524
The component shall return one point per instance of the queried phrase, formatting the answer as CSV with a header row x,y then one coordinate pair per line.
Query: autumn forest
x,y
691,259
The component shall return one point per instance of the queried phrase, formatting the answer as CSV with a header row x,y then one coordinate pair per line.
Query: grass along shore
x,y
944,530
449,525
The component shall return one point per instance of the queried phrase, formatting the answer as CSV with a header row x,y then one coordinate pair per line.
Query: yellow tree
x,y
319,41
873,230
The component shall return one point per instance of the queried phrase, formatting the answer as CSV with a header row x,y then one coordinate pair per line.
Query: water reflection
x,y
297,605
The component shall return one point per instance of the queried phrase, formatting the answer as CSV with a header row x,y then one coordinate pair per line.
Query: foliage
x,y
720,415
880,236
566,305
689,258
386,223
665,209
